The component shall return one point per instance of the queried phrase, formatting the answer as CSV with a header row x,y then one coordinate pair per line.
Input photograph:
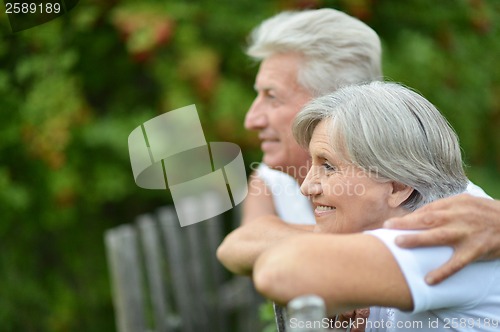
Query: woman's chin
x,y
325,227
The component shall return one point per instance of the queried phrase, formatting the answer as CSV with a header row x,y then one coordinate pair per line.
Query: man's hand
x,y
259,201
470,225
240,249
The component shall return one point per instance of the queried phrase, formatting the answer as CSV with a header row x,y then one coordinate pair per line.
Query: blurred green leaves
x,y
73,89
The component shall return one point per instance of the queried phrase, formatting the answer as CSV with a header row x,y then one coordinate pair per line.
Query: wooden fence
x,y
167,278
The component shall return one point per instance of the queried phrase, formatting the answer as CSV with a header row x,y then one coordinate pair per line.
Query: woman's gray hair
x,y
337,49
391,131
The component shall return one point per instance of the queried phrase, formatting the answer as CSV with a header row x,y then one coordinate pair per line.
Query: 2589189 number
x,y
32,8
455,323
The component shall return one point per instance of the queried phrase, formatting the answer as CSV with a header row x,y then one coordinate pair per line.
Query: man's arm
x,y
259,201
241,247
337,268
469,224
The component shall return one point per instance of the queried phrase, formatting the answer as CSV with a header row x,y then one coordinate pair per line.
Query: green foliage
x,y
74,88
266,315
447,51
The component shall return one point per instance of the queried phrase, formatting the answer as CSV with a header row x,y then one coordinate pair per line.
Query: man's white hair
x,y
337,49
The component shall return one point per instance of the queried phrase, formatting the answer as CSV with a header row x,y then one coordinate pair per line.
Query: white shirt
x,y
295,208
467,301
290,204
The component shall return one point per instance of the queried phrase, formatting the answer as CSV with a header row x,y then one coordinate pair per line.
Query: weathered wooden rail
x,y
167,278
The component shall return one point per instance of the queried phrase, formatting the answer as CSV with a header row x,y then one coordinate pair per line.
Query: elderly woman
x,y
378,151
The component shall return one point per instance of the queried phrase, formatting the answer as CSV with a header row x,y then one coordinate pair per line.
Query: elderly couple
x,y
380,160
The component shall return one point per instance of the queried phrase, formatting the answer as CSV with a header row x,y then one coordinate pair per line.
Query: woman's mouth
x,y
323,209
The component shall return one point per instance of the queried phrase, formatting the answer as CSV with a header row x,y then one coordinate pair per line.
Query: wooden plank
x,y
241,291
164,320
279,315
215,235
213,231
180,265
177,257
197,273
122,254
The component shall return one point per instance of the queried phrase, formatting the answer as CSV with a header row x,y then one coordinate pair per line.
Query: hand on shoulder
x,y
471,225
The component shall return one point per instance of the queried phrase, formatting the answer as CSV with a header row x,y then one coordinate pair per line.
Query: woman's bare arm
x,y
347,271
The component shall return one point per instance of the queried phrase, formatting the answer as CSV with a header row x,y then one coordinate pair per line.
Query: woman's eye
x,y
329,167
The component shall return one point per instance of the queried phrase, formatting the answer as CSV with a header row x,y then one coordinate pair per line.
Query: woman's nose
x,y
311,185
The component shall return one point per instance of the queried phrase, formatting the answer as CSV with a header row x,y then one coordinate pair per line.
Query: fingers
x,y
454,237
466,223
443,272
420,219
455,264
465,253
430,238
346,315
435,214
363,313
359,316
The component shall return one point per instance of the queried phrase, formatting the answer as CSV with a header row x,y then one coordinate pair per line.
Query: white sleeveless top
x,y
290,204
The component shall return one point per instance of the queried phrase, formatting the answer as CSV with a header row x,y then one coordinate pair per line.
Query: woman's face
x,y
346,199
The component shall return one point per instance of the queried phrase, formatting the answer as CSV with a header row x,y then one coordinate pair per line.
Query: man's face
x,y
279,99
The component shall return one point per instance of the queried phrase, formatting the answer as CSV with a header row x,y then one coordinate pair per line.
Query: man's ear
x,y
400,193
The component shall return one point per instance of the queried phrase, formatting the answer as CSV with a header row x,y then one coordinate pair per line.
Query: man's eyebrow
x,y
263,88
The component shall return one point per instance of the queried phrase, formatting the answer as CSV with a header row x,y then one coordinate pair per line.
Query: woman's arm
x,y
240,249
348,271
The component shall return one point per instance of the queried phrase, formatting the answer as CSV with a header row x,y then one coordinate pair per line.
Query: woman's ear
x,y
400,193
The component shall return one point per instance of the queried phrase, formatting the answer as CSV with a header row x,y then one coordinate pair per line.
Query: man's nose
x,y
311,185
256,117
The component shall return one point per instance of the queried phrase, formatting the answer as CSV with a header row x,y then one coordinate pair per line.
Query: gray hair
x,y
391,130
338,49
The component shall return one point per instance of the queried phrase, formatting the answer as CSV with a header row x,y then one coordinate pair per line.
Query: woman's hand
x,y
358,317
